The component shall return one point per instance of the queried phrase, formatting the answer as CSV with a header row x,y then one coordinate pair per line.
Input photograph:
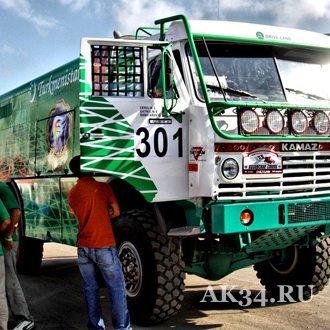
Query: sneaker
x,y
25,325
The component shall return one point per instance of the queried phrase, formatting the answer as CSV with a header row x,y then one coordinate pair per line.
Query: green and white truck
x,y
215,139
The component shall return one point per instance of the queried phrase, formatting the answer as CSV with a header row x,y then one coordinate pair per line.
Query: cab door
x,y
125,129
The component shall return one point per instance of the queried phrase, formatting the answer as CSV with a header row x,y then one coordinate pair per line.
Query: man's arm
x,y
114,210
15,216
4,225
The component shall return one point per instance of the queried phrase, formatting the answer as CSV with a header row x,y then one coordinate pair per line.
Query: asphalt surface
x,y
56,301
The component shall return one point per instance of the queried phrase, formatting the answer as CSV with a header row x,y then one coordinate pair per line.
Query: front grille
x,y
306,212
302,175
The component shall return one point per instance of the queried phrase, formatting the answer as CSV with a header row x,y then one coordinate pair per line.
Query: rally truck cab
x,y
215,139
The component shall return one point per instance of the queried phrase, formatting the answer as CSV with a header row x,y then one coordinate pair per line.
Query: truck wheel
x,y
29,255
29,252
293,267
152,268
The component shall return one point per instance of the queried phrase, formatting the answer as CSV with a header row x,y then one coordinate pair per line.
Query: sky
x,y
37,36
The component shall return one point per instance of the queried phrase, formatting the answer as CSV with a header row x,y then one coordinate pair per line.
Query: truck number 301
x,y
160,142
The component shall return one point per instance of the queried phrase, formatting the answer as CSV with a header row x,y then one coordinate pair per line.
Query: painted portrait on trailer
x,y
59,132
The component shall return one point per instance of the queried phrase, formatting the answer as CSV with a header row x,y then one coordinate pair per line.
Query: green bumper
x,y
270,214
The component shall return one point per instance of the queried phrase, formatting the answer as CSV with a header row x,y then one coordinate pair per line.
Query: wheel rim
x,y
132,268
286,261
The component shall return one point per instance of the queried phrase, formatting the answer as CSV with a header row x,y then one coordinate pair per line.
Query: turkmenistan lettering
x,y
48,87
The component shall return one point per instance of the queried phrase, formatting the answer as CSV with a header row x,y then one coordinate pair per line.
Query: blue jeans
x,y
106,259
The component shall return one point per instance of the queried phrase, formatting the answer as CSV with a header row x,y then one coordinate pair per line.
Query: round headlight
x,y
249,121
299,122
230,168
321,122
275,121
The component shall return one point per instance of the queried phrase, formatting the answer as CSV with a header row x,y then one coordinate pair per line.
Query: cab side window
x,y
155,84
117,71
155,89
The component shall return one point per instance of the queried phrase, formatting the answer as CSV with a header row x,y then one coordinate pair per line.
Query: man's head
x,y
74,166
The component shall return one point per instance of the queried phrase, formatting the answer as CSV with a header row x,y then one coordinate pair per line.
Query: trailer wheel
x,y
152,268
30,251
29,255
297,267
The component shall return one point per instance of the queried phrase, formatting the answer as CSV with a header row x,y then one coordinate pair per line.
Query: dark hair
x,y
74,166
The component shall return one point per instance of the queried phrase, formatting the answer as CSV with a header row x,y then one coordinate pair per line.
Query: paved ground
x,y
56,301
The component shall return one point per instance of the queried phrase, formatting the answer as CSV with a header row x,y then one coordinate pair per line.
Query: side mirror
x,y
167,78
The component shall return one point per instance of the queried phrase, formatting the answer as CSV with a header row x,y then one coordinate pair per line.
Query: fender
x,y
169,215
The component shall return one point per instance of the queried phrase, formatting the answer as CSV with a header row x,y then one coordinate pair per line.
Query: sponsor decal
x,y
197,153
260,35
262,162
59,132
263,36
299,146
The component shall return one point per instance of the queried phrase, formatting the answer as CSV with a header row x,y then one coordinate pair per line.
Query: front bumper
x,y
270,214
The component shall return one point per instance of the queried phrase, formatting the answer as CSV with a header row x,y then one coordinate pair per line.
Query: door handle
x,y
97,134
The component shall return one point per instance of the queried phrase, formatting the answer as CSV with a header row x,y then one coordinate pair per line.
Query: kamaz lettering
x,y
299,146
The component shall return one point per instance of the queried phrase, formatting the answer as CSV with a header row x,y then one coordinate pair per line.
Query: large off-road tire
x,y
29,255
304,267
152,267
29,252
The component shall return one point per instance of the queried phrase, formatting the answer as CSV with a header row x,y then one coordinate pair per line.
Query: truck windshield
x,y
262,74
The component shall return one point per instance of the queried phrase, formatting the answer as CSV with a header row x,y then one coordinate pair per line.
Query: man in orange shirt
x,y
90,200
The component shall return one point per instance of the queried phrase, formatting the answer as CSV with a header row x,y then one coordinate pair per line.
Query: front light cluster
x,y
274,121
250,121
321,122
299,122
230,168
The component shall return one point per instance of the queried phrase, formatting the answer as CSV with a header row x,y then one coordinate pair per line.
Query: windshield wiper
x,y
222,89
309,96
235,92
214,70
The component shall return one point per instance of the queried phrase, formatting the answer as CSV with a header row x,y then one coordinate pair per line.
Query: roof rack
x,y
145,30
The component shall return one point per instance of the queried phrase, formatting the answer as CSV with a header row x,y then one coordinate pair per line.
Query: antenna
x,y
117,34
